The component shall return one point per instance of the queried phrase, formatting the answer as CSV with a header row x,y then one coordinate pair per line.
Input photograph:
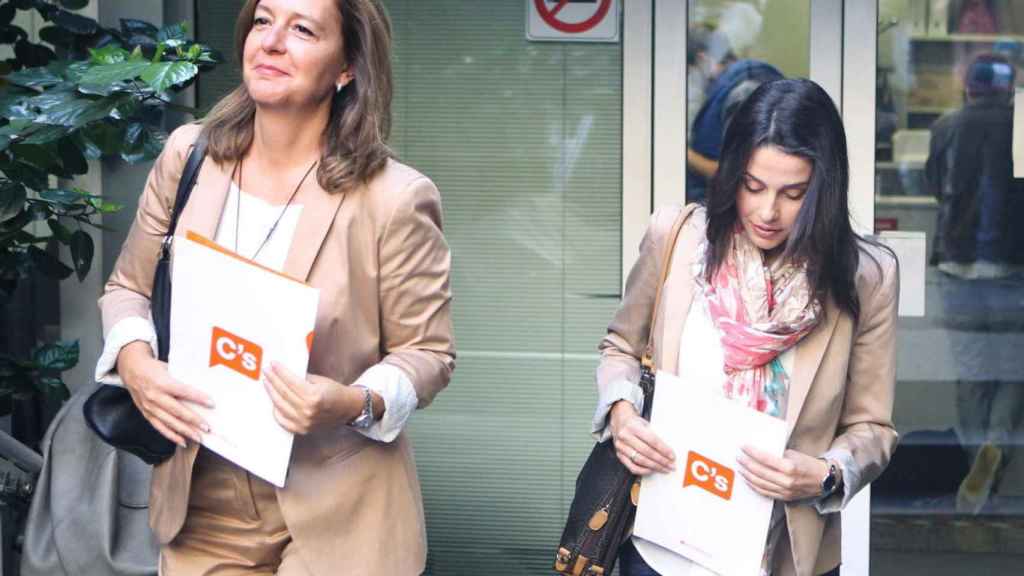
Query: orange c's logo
x,y
235,353
710,475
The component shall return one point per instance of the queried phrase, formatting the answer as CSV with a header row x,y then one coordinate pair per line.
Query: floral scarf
x,y
760,312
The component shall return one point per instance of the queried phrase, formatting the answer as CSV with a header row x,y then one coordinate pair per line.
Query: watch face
x,y
828,485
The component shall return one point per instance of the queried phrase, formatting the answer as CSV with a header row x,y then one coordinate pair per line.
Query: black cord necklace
x,y
238,205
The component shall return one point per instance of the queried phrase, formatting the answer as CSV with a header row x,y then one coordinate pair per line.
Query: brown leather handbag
x,y
607,493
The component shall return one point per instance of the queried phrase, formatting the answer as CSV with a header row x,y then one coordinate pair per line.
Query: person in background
x,y
299,179
776,303
973,17
731,81
976,248
703,63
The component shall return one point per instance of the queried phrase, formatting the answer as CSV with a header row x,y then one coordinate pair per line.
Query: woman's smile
x,y
270,70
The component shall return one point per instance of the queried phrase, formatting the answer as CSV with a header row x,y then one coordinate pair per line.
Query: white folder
x,y
230,318
704,510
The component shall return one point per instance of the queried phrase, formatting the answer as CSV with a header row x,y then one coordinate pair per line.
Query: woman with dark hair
x,y
771,290
299,179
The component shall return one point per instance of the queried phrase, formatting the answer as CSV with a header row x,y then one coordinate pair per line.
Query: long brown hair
x,y
798,117
354,140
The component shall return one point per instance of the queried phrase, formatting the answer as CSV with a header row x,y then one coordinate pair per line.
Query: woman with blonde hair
x,y
299,178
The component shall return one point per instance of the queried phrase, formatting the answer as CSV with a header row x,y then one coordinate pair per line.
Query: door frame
x,y
637,126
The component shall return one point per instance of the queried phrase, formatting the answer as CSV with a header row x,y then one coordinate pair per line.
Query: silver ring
x,y
633,455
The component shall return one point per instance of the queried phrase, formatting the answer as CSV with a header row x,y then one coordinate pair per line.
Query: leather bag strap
x,y
185,185
647,360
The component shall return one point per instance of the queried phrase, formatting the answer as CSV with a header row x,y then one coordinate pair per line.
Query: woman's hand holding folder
x,y
159,396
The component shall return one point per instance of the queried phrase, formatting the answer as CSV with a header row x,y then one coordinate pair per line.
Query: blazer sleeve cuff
x,y
124,332
852,476
399,396
609,395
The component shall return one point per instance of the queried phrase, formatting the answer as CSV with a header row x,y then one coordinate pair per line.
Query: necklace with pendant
x,y
238,206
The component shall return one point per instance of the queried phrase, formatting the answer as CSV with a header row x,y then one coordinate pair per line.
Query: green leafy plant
x,y
40,374
82,92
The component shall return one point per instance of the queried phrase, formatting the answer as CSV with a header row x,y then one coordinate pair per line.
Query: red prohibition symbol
x,y
550,16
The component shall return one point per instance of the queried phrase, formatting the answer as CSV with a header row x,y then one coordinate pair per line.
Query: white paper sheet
x,y
911,251
1018,134
229,319
704,510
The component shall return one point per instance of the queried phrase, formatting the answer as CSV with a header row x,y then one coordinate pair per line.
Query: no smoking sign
x,y
572,20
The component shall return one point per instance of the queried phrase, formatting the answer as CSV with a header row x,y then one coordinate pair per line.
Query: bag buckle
x,y
646,380
562,559
165,246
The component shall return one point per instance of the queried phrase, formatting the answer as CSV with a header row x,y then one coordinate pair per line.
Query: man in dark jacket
x,y
970,172
724,95
977,242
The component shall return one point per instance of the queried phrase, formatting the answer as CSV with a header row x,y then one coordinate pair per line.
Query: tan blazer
x,y
841,391
378,256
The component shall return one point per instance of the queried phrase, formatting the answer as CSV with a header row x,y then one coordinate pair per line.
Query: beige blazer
x,y
378,256
841,391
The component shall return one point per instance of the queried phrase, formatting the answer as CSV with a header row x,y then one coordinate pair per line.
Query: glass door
x,y
952,501
731,49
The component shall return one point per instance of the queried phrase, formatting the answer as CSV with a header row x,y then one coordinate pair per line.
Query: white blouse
x,y
254,222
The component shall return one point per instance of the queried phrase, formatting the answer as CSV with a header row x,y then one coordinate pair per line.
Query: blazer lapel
x,y
318,211
809,353
206,203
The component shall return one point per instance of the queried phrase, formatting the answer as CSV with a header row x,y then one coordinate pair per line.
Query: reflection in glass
x,y
732,48
947,72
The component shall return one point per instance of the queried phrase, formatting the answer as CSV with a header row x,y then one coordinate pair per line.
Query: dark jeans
x,y
631,564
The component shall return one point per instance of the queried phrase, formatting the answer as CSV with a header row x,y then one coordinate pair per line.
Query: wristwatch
x,y
830,482
365,418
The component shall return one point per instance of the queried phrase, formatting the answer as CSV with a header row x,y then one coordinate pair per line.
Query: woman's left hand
x,y
301,406
794,476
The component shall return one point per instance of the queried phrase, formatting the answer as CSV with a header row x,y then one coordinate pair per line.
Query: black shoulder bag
x,y
607,493
110,411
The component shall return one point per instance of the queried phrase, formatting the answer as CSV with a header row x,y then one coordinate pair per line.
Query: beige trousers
x,y
233,527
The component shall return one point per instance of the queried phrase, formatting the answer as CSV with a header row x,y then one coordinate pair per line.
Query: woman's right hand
x,y
159,396
636,445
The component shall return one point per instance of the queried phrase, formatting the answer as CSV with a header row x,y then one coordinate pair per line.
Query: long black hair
x,y
798,118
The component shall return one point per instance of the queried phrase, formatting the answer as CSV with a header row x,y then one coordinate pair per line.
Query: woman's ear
x,y
343,80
